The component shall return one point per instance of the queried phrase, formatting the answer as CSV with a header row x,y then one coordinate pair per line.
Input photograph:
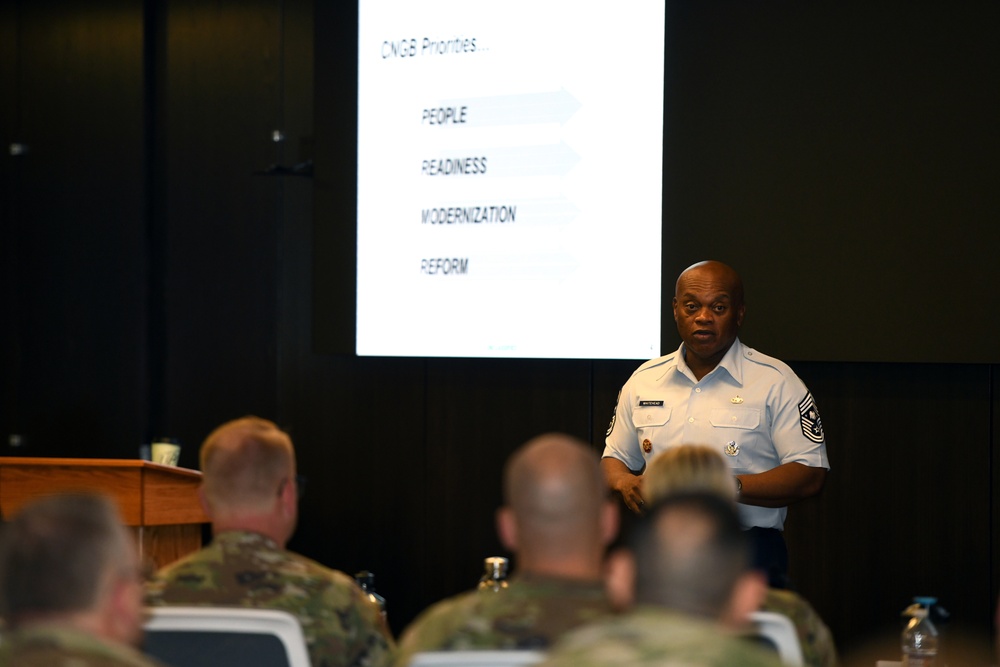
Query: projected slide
x,y
509,178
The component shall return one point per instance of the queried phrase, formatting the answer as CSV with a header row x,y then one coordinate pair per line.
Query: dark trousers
x,y
770,555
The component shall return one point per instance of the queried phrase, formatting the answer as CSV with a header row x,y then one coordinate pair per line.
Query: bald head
x,y
708,309
553,479
715,273
555,492
244,464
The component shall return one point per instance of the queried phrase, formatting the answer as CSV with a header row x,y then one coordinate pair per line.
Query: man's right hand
x,y
623,481
631,489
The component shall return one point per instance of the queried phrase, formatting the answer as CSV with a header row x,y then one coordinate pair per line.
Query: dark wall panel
x,y
220,105
993,590
73,229
840,155
334,245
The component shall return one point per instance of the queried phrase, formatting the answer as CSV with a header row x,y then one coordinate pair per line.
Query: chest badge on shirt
x,y
731,448
736,400
647,446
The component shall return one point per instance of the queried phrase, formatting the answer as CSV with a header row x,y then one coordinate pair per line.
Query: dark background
x,y
842,156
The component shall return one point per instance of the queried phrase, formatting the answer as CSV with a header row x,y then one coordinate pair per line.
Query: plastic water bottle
x,y
495,574
366,580
920,638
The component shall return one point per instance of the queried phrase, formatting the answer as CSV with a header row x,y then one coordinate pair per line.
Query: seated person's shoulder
x,y
817,644
435,624
655,637
790,604
52,646
320,577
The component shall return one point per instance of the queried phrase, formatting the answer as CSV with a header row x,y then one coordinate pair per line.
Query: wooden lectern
x,y
159,503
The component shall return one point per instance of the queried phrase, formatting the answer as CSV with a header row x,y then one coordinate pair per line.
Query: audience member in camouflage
x,y
70,592
51,646
557,521
528,614
818,649
699,468
655,636
694,593
248,569
250,494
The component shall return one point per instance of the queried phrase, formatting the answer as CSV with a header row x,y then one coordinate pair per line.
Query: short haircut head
x,y
722,274
690,552
57,553
243,463
554,486
687,469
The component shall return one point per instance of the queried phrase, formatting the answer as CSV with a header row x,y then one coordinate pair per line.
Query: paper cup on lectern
x,y
166,453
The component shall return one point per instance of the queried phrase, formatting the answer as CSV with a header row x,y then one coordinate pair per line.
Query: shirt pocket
x,y
746,419
650,416
737,429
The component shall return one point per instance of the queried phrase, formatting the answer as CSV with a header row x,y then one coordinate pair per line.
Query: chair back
x,y
778,631
224,637
473,658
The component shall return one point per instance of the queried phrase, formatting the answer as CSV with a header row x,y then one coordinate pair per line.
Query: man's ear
x,y
747,596
610,518
619,578
289,497
203,501
122,611
507,529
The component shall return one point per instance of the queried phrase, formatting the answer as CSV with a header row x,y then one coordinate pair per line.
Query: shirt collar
x,y
534,579
732,363
244,537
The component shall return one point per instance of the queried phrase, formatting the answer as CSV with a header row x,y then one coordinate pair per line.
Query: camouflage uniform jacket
x,y
817,643
529,614
653,636
49,646
341,625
